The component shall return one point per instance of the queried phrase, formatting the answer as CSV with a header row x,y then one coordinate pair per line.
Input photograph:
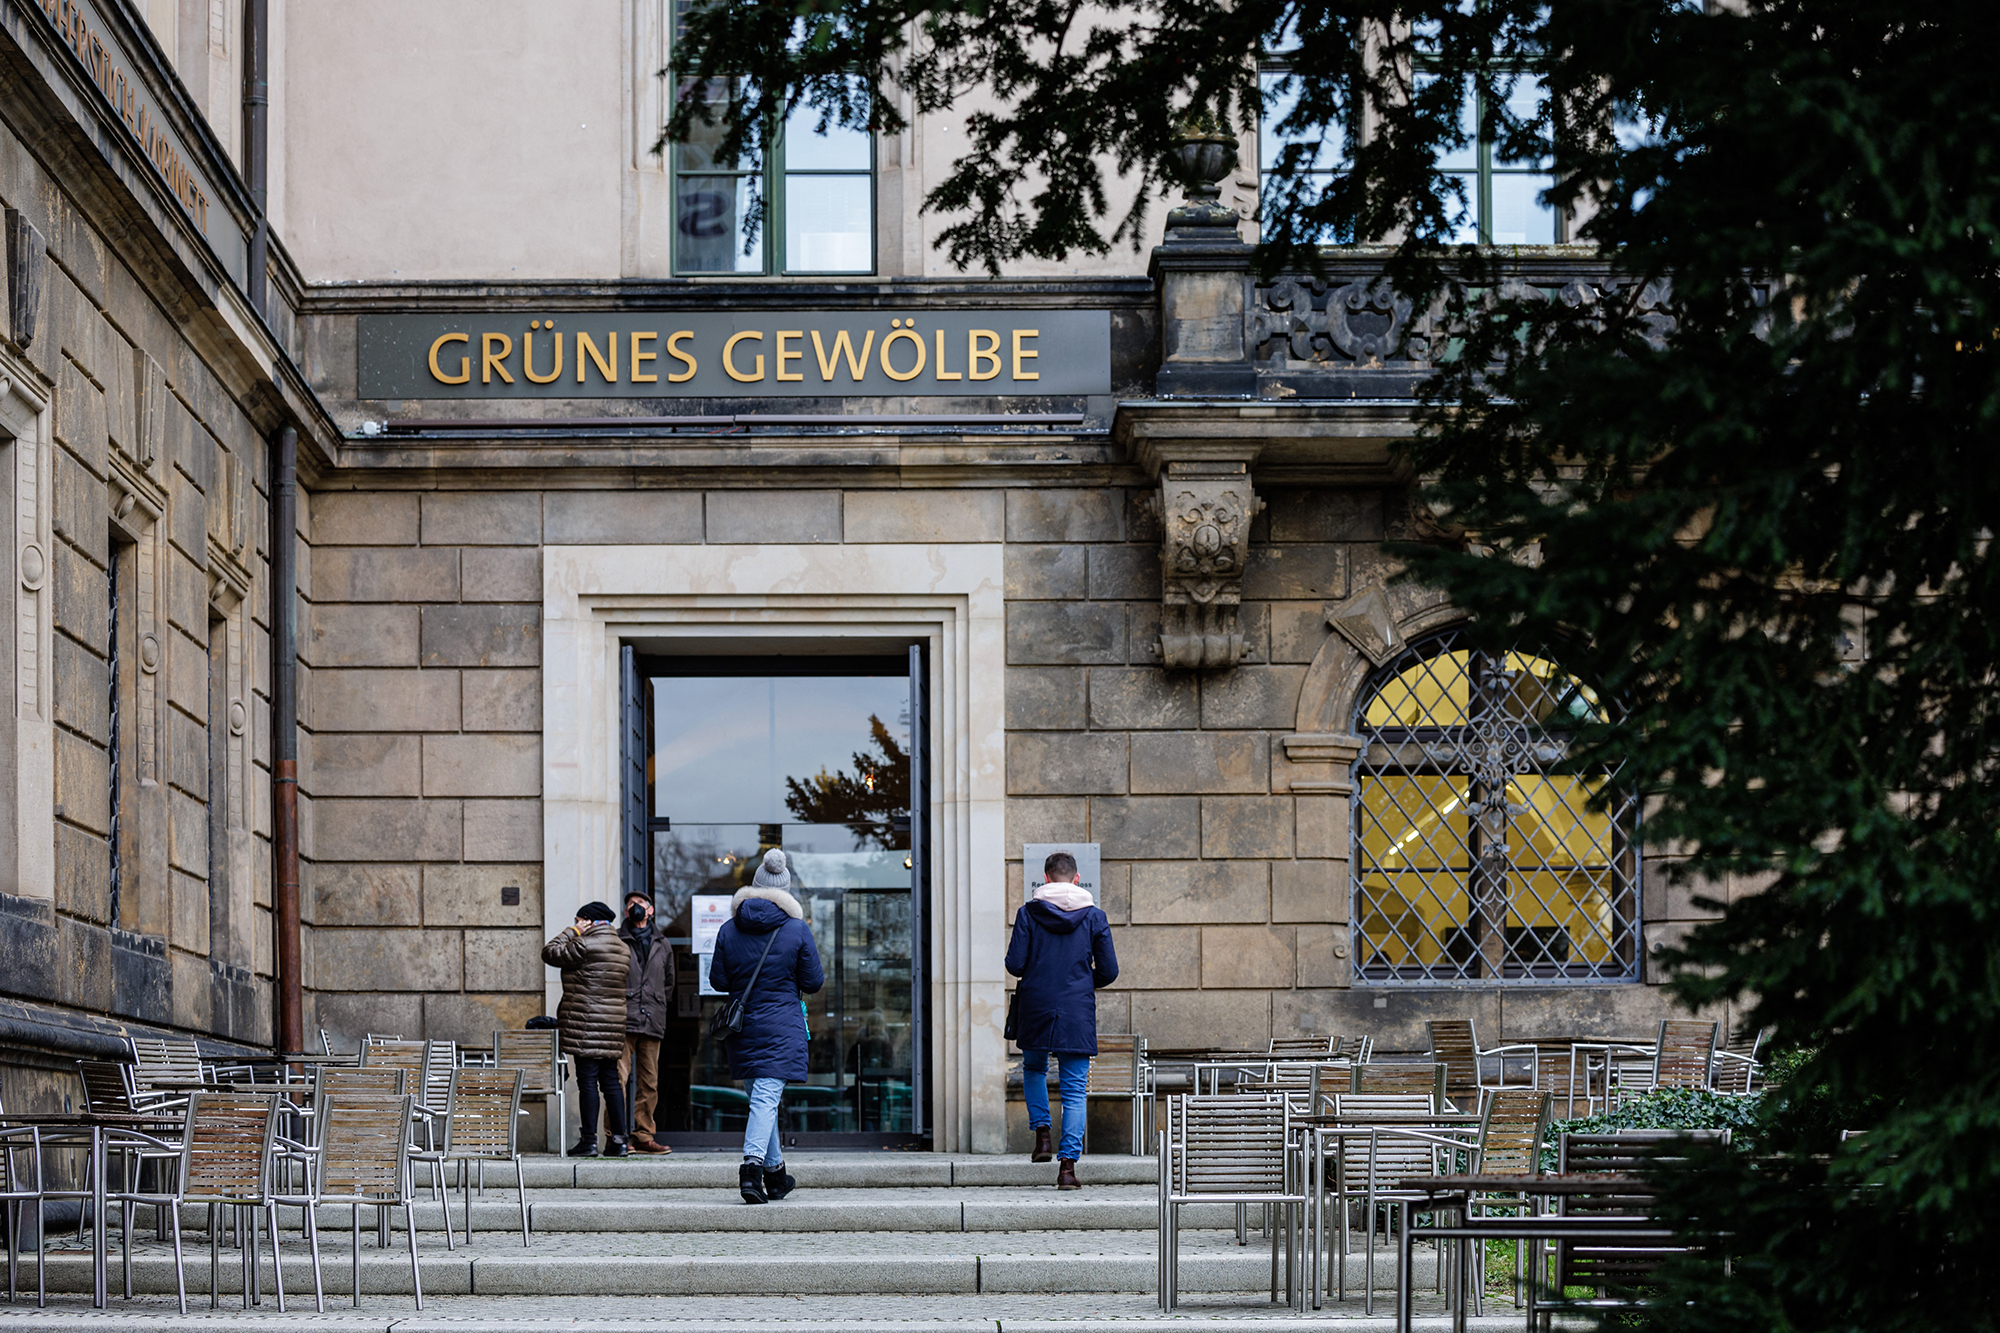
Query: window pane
x,y
839,149
1468,223
829,224
709,214
1327,144
1524,103
1467,157
697,152
1519,218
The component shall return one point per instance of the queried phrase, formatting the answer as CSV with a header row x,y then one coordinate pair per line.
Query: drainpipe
x,y
256,143
285,738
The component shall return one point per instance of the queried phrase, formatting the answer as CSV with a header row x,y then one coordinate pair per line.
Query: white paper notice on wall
x,y
1035,856
706,914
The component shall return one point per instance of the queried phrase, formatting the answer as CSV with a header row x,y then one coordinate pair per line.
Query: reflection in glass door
x,y
813,755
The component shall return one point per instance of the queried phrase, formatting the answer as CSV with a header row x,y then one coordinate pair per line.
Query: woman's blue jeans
x,y
760,1135
1075,1082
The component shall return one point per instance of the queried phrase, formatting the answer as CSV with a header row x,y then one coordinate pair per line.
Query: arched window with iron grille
x,y
1476,859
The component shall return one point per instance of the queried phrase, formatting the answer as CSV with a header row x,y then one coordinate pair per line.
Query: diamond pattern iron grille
x,y
1474,859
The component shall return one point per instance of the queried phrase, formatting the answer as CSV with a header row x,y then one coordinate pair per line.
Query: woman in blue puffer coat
x,y
767,922
1061,951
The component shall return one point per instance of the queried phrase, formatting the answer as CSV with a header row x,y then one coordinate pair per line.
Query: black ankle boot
x,y
750,1179
776,1183
1043,1150
615,1148
584,1148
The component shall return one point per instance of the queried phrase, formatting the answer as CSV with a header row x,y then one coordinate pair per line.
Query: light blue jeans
x,y
1075,1080
760,1135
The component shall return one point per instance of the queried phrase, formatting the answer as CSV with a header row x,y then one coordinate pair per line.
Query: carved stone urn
x,y
1207,155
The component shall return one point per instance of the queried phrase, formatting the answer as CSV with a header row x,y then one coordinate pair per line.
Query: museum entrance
x,y
823,757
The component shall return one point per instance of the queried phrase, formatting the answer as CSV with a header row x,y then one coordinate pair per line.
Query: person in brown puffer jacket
x,y
591,1018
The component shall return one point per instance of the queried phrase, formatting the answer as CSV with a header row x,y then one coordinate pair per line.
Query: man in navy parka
x,y
1062,952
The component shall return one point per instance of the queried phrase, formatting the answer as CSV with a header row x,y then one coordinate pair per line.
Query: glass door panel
x,y
818,765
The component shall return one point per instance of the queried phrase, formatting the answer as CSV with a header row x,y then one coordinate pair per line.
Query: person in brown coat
x,y
591,1018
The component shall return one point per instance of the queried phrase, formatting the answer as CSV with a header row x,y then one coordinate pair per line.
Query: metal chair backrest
x,y
372,1081
1454,1045
377,1038
105,1087
1629,1154
1227,1143
1391,1158
1740,1074
485,1112
1400,1078
1511,1126
1115,1072
538,1055
429,1064
226,1147
1686,1053
165,1059
365,1147
1311,1044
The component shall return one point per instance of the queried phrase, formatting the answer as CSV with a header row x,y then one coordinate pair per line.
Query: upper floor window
x,y
1503,194
808,206
1475,857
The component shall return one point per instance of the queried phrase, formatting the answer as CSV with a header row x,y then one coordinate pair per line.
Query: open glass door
x,y
816,756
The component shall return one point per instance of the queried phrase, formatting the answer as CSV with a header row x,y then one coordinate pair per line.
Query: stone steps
x,y
847,1170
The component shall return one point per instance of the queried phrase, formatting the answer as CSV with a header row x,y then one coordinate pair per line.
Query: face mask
x,y
636,914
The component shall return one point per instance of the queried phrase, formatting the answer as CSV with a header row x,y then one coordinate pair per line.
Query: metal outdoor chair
x,y
1684,1056
1613,1268
1455,1045
481,1125
1229,1149
430,1065
1309,1046
1737,1069
165,1060
21,1184
1512,1122
226,1152
1428,1078
363,1161
1368,1168
1120,1071
538,1055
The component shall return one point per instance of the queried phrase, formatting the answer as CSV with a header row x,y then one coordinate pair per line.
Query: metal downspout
x,y
285,739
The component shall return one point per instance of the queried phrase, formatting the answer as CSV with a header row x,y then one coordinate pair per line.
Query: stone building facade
x,y
1149,611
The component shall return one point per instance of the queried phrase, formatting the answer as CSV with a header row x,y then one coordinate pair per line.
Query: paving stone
x,y
773,516
1061,765
1047,572
1200,762
1045,698
1065,633
1137,698
1246,826
922,516
1064,514
623,518
482,518
1174,892
1146,827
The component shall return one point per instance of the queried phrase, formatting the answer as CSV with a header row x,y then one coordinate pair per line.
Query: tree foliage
x,y
1764,520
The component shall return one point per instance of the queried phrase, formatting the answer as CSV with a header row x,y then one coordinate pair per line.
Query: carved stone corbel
x,y
1205,504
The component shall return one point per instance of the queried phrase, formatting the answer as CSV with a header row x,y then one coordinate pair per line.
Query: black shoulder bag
x,y
1012,1030
733,1012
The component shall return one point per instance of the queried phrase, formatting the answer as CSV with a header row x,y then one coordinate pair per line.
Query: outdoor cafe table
x,y
1454,1192
90,1128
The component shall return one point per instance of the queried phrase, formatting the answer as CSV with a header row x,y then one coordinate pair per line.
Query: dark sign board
x,y
736,354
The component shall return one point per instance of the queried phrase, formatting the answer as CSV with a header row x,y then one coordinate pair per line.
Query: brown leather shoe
x,y
649,1147
1066,1176
1044,1150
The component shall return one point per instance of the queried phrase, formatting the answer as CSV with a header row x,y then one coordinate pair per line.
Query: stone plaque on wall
x,y
1089,864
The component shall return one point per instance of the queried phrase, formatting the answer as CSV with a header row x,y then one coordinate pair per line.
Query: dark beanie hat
x,y
595,912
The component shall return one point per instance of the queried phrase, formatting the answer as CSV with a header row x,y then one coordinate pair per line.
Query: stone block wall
x,y
157,469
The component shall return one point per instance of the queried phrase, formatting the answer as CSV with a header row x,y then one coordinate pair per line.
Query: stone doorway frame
x,y
594,598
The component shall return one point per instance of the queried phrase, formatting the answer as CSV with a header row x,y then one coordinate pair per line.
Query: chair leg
x,y
277,1260
180,1269
416,1278
310,1225
354,1220
214,1256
